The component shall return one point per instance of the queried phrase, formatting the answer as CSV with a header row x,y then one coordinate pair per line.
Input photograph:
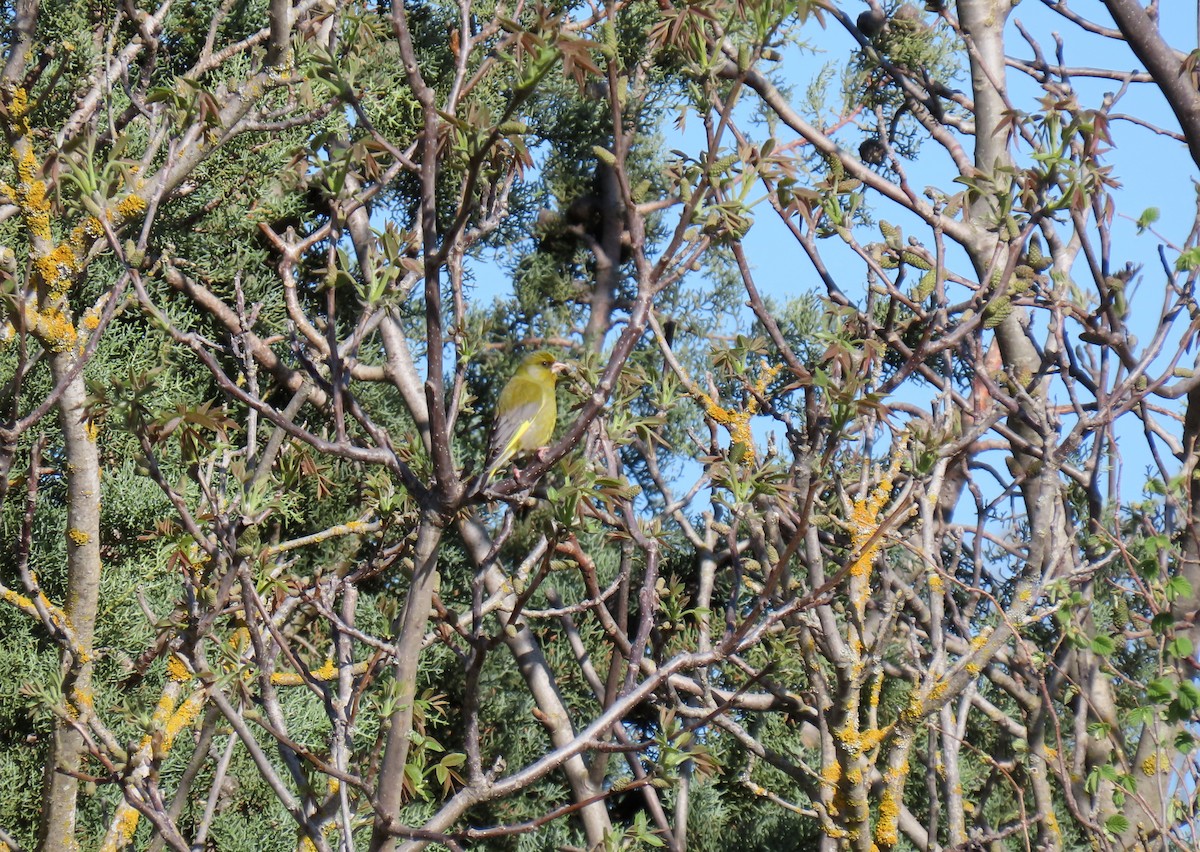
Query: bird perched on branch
x,y
526,411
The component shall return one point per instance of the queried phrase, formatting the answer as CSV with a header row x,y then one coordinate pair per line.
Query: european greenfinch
x,y
526,412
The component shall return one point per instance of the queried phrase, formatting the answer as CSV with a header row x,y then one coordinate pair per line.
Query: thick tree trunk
x,y
83,589
412,630
983,22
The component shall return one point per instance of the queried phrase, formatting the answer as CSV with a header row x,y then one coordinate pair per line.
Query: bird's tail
x,y
491,473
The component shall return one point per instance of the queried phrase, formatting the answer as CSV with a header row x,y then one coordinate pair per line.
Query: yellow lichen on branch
x,y
30,192
52,327
55,615
177,670
130,206
57,268
91,317
124,824
182,718
56,264
737,420
865,540
84,699
164,709
327,672
886,830
19,601
859,742
166,723
831,783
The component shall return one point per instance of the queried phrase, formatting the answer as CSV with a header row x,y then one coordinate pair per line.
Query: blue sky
x,y
1154,171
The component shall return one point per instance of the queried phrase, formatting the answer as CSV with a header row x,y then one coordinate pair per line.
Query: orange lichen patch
x,y
31,196
91,317
240,639
737,421
56,264
1052,824
57,617
18,108
30,192
859,742
177,670
57,268
914,710
831,774
52,327
83,699
57,330
128,826
327,672
163,710
876,690
182,718
78,536
170,721
19,601
130,206
866,540
887,829
938,690
124,824
856,645
89,228
864,520
973,666
936,585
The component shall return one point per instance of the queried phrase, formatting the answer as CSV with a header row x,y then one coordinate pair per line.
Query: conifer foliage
x,y
904,553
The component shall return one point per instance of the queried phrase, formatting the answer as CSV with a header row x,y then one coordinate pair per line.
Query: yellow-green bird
x,y
526,411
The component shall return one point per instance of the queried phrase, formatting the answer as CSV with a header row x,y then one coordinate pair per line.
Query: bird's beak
x,y
558,368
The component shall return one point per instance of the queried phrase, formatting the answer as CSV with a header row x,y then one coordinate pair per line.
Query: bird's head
x,y
542,365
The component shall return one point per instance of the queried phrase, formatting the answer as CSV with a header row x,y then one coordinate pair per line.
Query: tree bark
x,y
413,622
538,675
83,591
